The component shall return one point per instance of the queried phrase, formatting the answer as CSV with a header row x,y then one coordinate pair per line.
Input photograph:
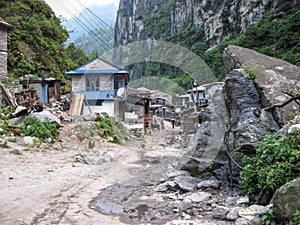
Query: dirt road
x,y
51,187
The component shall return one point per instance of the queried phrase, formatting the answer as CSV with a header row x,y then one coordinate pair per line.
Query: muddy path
x,y
52,187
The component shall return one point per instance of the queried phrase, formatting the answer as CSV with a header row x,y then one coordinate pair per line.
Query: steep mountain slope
x,y
195,24
36,42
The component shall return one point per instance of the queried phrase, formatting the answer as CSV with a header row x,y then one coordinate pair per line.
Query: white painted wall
x,y
107,106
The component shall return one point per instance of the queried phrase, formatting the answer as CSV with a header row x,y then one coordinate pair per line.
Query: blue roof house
x,y
98,82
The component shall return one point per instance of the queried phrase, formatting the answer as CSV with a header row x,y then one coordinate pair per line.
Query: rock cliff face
x,y
272,77
219,19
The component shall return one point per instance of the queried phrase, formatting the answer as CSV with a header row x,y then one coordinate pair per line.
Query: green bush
x,y
277,161
35,128
296,219
4,121
108,128
267,217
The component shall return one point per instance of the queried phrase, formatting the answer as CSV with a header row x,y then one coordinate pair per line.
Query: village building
x,y
191,108
3,48
5,97
97,87
194,97
40,90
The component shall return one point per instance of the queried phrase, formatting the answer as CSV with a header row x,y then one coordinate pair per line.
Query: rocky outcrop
x,y
286,201
282,7
238,107
207,143
247,120
271,78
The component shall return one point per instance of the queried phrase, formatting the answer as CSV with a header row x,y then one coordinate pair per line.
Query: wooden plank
x,y
7,96
76,105
80,104
71,110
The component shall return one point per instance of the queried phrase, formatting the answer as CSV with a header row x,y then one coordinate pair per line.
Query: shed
x,y
46,90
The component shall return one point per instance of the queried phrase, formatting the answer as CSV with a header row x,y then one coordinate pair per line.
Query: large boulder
x,y
286,200
271,76
247,121
207,143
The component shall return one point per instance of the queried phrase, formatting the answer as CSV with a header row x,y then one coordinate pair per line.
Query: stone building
x,y
3,55
3,48
98,86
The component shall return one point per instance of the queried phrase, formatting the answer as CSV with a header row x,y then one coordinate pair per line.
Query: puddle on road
x,y
133,204
136,202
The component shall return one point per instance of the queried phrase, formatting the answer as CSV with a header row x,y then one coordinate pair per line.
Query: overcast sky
x,y
66,8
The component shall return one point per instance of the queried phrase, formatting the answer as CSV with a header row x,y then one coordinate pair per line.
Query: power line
x,y
104,31
92,19
97,17
82,24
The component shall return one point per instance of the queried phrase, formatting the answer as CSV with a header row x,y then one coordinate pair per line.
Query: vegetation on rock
x,y
277,161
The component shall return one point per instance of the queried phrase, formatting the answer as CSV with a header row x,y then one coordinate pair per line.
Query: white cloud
x,y
68,8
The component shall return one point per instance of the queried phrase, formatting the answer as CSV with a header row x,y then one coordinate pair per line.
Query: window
x,y
92,83
118,82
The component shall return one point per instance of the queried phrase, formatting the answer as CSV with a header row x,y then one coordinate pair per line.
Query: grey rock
x,y
186,183
168,185
185,204
44,115
282,199
220,212
174,173
90,117
16,151
199,197
243,200
204,147
243,101
108,156
231,200
242,221
267,70
215,184
233,213
91,160
161,187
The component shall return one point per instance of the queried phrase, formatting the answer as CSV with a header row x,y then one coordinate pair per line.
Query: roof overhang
x,y
81,72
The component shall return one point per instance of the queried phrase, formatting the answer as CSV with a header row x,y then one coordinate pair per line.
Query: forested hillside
x,y
37,40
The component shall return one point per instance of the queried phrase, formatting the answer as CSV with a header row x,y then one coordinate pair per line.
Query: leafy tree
x,y
37,40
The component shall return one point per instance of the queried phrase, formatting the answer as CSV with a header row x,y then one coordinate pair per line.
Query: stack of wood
x,y
6,97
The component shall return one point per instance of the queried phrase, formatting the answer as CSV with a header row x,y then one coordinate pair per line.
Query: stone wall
x,y
3,52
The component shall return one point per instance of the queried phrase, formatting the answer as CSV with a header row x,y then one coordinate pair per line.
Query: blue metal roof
x,y
80,72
